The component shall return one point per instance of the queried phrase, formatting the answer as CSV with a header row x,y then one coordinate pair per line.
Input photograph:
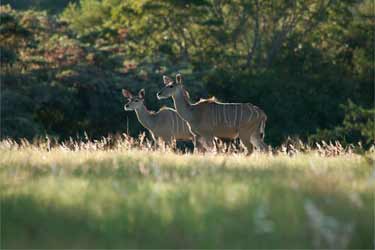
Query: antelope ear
x,y
179,78
141,93
167,80
126,93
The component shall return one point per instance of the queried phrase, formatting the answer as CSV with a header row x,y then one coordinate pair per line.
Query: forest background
x,y
308,64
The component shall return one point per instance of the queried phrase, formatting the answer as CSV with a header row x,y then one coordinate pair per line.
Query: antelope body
x,y
165,124
209,119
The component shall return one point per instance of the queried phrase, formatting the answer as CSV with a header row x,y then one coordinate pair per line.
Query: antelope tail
x,y
262,127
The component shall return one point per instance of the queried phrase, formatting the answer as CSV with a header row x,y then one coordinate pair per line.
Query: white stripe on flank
x,y
228,111
257,113
217,115
184,127
241,111
178,127
231,113
172,120
213,115
228,115
235,116
225,116
251,112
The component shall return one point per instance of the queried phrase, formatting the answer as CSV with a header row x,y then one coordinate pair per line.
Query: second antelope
x,y
164,124
209,119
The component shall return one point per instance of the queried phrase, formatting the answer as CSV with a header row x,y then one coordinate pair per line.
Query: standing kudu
x,y
165,124
209,119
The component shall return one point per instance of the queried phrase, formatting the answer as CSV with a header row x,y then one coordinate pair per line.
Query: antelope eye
x,y
135,100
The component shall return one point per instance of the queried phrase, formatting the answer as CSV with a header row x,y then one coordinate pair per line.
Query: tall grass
x,y
129,194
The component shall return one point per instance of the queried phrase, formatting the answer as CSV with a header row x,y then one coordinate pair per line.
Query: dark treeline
x,y
308,64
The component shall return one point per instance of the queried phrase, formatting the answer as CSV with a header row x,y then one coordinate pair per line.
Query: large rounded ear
x,y
141,93
179,78
167,80
126,93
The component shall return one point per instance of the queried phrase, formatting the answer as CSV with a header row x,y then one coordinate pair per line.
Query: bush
x,y
358,124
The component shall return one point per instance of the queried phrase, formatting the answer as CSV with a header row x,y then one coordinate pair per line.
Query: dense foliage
x,y
308,64
52,7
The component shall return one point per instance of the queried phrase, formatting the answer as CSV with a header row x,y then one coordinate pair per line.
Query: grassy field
x,y
129,198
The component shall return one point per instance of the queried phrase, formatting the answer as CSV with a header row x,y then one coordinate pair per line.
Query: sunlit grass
x,y
132,198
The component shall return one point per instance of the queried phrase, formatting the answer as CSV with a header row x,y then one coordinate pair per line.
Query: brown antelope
x,y
165,124
209,119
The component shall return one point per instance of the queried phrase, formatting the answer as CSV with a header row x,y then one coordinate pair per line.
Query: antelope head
x,y
134,102
171,88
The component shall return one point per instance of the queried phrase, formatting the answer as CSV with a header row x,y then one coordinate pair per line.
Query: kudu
x,y
209,119
165,124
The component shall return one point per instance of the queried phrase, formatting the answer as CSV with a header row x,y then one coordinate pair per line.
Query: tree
x,y
297,60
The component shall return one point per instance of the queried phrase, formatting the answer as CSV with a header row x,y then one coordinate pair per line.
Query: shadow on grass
x,y
28,224
280,222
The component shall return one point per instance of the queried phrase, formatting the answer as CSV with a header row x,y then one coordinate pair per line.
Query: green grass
x,y
139,199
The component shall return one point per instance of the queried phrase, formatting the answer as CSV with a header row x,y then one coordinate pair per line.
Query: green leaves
x,y
358,124
298,60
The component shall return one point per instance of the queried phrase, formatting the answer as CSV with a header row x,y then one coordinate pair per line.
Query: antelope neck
x,y
145,117
182,105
